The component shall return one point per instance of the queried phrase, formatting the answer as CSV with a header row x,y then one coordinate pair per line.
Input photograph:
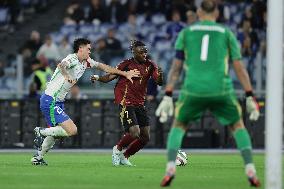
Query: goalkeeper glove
x,y
165,109
252,106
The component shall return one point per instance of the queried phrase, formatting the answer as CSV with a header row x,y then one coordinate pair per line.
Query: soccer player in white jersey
x,y
65,76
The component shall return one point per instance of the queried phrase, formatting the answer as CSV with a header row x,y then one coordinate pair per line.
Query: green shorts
x,y
225,108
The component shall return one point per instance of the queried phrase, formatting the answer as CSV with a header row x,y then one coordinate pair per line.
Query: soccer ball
x,y
181,159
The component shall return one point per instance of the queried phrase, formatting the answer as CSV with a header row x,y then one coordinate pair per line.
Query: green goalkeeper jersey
x,y
207,47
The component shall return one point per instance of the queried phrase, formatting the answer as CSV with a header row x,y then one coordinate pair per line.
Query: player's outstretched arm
x,y
129,74
105,78
251,104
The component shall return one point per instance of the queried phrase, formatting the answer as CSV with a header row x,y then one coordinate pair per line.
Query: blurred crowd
x,y
14,12
111,24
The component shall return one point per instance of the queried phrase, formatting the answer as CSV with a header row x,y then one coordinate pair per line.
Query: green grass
x,y
94,171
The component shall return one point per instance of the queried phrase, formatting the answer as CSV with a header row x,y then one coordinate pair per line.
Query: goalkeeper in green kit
x,y
205,49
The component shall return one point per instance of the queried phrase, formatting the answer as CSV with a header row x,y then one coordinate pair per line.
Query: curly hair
x,y
136,43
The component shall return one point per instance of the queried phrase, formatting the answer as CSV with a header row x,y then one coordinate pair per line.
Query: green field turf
x,y
95,171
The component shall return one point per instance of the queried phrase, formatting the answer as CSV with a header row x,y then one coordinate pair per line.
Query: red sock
x,y
134,147
125,141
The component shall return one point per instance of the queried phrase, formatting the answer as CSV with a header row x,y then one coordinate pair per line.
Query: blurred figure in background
x,y
33,92
116,12
191,17
97,11
64,48
175,26
109,47
75,93
50,51
41,73
34,43
74,13
130,28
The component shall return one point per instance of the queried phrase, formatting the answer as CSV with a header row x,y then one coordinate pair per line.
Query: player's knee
x,y
179,124
74,131
238,125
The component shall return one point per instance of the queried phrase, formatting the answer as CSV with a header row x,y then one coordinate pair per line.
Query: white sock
x,y
250,170
171,168
57,131
47,144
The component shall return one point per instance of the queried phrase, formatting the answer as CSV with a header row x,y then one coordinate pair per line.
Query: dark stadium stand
x,y
99,126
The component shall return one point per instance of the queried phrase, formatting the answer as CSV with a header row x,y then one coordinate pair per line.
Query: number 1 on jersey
x,y
204,47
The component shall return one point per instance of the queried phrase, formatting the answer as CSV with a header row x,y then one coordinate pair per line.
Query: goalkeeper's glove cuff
x,y
169,93
249,93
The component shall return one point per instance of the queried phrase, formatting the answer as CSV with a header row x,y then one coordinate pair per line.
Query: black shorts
x,y
133,115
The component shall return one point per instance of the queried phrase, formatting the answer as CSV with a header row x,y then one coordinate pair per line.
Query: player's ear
x,y
216,13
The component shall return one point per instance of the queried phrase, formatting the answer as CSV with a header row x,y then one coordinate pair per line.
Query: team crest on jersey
x,y
147,69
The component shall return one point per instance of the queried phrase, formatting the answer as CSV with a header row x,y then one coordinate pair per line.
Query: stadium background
x,y
28,25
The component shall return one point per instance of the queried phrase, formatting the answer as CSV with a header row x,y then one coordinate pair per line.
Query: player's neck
x,y
137,61
207,18
80,58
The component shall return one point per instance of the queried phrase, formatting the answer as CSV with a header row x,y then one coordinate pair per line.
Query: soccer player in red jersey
x,y
131,98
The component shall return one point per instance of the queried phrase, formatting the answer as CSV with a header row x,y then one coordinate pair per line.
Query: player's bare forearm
x,y
160,78
174,74
111,70
242,75
62,66
107,78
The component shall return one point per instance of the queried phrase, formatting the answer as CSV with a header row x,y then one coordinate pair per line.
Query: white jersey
x,y
58,86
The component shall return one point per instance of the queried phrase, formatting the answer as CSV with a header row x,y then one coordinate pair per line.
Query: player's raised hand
x,y
165,109
132,73
94,78
252,108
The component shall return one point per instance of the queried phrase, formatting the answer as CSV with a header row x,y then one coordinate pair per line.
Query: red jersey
x,y
132,94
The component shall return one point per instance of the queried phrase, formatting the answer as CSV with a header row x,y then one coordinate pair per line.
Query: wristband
x,y
169,93
249,93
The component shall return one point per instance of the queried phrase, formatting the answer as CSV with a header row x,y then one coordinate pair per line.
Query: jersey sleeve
x,y
69,61
179,44
234,48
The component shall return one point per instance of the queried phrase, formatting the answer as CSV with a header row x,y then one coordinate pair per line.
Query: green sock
x,y
243,141
174,142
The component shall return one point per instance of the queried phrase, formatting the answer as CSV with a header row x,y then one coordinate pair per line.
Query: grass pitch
x,y
95,171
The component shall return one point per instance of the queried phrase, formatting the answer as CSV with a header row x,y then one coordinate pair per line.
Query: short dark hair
x,y
136,43
208,6
78,42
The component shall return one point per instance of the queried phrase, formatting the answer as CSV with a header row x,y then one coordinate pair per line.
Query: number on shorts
x,y
204,47
58,109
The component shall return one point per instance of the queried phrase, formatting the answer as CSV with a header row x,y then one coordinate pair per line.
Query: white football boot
x,y
116,156
124,160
